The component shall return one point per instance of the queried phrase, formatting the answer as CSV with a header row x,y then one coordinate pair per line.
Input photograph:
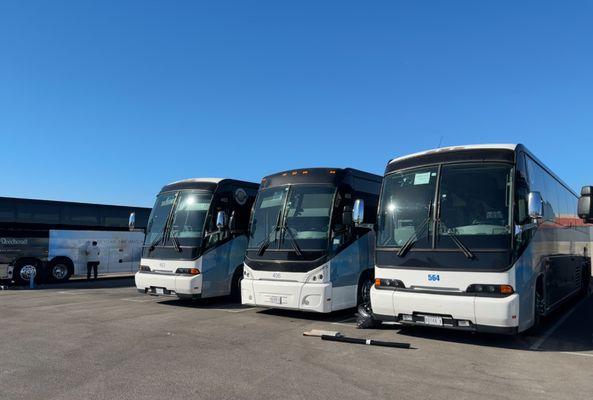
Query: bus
x,y
309,248
47,239
480,238
196,239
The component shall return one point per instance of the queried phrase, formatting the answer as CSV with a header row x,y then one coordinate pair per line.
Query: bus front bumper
x,y
315,297
452,311
183,286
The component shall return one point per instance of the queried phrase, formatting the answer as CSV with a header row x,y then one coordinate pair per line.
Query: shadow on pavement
x,y
101,283
301,315
223,303
571,335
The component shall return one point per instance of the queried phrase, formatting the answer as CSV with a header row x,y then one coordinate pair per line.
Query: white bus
x,y
196,239
47,239
478,238
306,250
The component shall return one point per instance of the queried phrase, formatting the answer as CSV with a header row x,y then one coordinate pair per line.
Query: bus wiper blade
x,y
413,238
293,241
264,245
155,242
460,244
176,243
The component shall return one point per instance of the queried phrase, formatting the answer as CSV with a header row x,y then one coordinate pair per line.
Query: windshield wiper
x,y
293,241
413,238
264,245
459,243
176,243
155,242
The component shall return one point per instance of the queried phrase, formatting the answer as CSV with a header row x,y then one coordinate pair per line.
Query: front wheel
x,y
236,286
365,319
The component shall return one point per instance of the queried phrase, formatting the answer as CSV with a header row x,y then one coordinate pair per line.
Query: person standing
x,y
92,258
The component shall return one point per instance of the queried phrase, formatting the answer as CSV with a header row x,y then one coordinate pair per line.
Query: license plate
x,y
437,321
159,290
277,300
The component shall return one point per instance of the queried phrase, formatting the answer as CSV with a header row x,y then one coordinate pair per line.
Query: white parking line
x,y
549,332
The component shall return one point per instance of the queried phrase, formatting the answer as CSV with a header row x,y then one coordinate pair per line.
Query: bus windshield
x,y
290,217
473,207
185,212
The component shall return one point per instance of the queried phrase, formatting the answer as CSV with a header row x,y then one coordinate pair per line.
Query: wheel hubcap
x,y
27,271
59,271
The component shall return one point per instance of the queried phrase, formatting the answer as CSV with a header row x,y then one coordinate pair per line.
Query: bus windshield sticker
x,y
422,178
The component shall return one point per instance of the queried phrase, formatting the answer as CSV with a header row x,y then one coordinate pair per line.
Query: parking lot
x,y
103,340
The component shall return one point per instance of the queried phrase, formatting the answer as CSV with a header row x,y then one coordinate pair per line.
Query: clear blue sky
x,y
106,101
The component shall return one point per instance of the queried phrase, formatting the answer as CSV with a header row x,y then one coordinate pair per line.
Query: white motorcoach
x,y
196,239
307,251
479,238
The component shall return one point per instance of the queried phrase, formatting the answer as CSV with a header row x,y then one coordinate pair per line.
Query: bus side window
x,y
521,192
221,202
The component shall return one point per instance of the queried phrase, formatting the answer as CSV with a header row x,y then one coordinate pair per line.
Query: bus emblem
x,y
241,196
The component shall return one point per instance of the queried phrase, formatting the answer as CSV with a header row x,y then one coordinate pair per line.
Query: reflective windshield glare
x,y
185,214
473,205
299,213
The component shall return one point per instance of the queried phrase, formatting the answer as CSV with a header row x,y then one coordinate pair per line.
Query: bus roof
x,y
315,175
511,147
492,147
70,202
205,184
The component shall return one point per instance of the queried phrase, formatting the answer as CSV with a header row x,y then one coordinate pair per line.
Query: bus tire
x,y
60,270
22,269
365,319
539,303
236,285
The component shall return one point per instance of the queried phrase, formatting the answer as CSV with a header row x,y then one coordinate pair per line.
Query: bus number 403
x,y
434,277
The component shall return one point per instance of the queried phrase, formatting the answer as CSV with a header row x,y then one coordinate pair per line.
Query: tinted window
x,y
406,206
80,214
30,212
267,213
521,192
159,216
116,217
7,210
474,205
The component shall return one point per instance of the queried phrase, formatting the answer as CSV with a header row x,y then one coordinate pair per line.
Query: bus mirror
x,y
347,216
358,211
535,205
132,221
221,220
585,209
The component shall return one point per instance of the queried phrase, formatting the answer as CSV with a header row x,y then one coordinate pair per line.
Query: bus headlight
x,y
389,283
493,290
144,268
187,271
